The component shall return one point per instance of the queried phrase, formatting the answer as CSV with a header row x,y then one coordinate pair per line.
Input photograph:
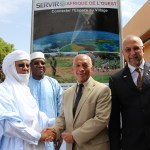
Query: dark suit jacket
x,y
129,126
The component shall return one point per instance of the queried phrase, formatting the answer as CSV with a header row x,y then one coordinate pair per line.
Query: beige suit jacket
x,y
89,126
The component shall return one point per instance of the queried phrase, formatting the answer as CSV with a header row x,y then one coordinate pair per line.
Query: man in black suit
x,y
129,126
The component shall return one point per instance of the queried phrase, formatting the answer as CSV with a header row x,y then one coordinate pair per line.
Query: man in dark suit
x,y
129,126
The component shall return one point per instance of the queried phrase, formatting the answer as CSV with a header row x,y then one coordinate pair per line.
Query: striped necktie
x,y
139,79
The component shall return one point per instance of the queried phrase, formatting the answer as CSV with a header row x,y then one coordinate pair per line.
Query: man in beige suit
x,y
87,128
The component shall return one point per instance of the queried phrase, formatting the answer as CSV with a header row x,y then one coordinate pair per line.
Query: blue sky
x,y
15,20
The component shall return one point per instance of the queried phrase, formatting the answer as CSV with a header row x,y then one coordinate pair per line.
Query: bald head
x,y
133,50
82,67
83,56
132,38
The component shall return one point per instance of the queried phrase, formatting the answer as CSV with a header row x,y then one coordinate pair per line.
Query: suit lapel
x,y
128,78
71,101
146,76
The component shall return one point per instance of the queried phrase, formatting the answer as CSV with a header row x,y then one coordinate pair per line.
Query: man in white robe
x,y
21,122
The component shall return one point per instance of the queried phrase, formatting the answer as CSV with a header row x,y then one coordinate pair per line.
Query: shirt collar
x,y
85,83
132,69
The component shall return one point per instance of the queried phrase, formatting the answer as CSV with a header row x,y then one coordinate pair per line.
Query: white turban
x,y
12,57
19,92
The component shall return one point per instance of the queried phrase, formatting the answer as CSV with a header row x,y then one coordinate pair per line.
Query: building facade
x,y
140,25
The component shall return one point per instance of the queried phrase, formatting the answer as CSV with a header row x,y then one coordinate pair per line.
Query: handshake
x,y
48,134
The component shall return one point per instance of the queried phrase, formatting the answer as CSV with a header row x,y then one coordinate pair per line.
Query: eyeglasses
x,y
134,48
39,63
23,65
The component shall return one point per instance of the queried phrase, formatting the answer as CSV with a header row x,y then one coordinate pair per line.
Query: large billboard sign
x,y
64,28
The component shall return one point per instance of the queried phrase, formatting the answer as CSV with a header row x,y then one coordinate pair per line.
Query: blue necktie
x,y
78,96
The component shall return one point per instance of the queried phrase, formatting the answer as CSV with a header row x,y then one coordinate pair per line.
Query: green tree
x,y
5,48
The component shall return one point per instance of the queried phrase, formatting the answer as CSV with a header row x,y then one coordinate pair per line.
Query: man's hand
x,y
67,136
48,134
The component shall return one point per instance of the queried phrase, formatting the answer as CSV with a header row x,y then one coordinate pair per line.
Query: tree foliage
x,y
5,48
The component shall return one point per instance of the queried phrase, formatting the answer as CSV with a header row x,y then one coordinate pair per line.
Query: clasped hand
x,y
67,136
48,134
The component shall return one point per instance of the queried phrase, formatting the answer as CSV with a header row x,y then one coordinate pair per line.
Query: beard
x,y
23,78
135,60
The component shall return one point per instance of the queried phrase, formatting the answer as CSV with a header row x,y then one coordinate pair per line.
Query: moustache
x,y
135,56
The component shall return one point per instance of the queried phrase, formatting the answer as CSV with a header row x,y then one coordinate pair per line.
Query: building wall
x,y
140,25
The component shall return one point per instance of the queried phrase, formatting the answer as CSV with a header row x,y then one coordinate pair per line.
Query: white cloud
x,y
11,7
12,11
129,8
5,21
